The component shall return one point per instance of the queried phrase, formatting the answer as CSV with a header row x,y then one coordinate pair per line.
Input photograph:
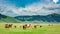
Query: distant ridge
x,y
8,19
20,19
2,16
49,18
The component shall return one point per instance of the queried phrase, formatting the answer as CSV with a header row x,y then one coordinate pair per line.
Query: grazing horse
x,y
28,25
14,26
24,26
35,26
8,25
40,25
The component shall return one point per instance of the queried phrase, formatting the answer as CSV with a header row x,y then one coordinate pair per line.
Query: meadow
x,y
45,29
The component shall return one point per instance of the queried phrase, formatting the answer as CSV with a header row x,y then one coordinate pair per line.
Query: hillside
x,y
49,18
34,18
8,19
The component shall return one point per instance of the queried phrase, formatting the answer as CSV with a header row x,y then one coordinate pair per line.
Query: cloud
x,y
8,10
38,8
55,1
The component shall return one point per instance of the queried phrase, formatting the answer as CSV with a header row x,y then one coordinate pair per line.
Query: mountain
x,y
8,19
49,18
19,19
2,16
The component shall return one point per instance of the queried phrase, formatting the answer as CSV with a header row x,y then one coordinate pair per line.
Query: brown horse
x,y
8,25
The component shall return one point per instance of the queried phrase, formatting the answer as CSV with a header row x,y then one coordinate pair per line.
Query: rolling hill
x,y
8,19
20,19
49,18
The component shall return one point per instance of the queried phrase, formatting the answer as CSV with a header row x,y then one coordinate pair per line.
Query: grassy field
x,y
55,29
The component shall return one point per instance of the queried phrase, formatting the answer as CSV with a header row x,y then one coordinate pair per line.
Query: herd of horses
x,y
24,26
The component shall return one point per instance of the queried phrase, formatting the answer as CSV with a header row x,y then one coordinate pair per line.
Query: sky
x,y
29,7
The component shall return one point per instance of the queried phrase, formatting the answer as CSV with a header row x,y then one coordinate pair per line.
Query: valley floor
x,y
45,29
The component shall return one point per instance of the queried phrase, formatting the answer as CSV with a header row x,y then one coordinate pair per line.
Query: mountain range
x,y
48,18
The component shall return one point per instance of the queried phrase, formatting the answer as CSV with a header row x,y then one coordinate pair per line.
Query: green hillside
x,y
9,20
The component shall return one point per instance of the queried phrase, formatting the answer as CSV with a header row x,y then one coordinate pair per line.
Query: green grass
x,y
38,30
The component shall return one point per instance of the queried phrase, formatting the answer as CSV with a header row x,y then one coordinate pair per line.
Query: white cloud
x,y
38,9
32,9
55,1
